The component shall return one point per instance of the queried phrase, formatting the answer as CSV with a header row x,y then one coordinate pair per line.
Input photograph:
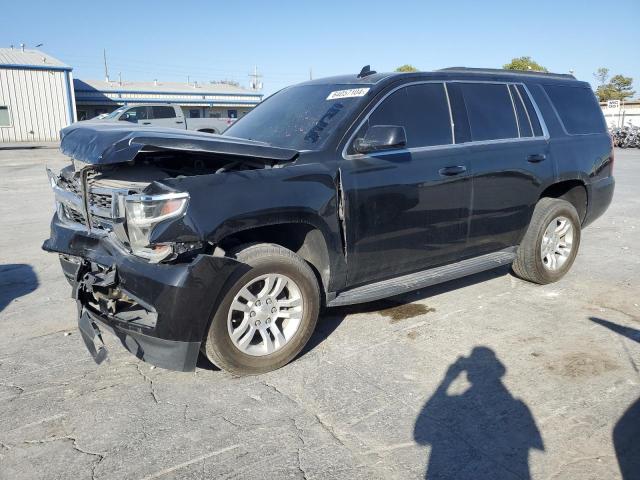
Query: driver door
x,y
139,115
407,208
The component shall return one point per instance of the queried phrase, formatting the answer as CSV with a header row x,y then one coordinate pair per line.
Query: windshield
x,y
115,113
301,117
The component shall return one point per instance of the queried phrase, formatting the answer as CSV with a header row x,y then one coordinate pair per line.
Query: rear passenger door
x,y
507,152
163,116
407,209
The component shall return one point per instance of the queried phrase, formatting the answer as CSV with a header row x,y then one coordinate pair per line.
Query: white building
x,y
217,100
36,96
621,113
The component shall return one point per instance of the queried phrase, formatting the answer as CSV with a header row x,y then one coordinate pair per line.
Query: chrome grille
x,y
71,203
101,200
74,215
71,185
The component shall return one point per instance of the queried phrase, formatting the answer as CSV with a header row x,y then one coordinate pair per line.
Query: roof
x,y
500,71
444,74
351,79
29,59
160,87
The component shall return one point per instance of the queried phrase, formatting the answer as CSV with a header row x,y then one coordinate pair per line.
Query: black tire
x,y
528,264
262,259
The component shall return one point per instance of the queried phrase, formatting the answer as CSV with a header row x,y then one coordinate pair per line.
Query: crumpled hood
x,y
98,143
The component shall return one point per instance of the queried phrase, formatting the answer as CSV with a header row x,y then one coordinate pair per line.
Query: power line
x,y
255,85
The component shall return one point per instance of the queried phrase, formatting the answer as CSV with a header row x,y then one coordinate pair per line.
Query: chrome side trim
x,y
543,125
545,130
515,114
526,110
453,126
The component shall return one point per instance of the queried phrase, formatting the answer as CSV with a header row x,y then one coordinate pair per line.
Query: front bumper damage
x,y
159,312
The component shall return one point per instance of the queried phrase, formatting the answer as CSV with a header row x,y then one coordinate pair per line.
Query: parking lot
x,y
382,392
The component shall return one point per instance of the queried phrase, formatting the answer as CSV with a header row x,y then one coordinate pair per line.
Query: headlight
x,y
143,213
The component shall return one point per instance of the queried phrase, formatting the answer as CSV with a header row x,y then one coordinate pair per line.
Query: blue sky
x,y
209,40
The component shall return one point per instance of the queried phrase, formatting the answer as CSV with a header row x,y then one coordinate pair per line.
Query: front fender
x,y
232,202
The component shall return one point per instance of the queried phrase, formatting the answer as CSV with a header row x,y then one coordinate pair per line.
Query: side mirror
x,y
381,137
127,117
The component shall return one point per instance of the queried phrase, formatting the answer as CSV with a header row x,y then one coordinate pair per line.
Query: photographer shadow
x,y
481,433
16,280
626,433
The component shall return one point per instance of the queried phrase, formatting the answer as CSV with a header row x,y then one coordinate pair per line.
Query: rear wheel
x,y
267,314
551,243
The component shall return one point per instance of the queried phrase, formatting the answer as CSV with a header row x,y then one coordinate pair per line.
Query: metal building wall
x,y
40,101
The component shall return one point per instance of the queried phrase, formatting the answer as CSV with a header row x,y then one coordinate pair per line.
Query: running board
x,y
425,278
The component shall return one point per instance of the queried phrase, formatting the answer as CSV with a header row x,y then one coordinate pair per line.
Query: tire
x,y
530,264
274,263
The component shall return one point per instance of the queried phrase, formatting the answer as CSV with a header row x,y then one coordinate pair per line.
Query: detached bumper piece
x,y
90,333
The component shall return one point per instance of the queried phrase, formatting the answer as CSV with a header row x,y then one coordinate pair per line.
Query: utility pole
x,y
255,85
310,73
106,69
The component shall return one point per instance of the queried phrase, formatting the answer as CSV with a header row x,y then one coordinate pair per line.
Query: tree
x,y
602,75
524,63
406,68
622,86
619,88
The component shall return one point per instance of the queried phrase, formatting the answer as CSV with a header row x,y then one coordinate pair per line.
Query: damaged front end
x,y
156,297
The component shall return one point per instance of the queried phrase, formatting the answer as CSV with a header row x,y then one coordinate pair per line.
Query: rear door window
x,y
160,112
490,111
422,110
578,109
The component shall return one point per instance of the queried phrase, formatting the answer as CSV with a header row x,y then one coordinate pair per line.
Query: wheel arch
x,y
305,239
573,191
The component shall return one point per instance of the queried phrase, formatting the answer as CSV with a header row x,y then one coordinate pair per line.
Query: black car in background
x,y
336,191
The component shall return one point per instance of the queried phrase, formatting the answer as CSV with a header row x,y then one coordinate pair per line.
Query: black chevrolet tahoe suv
x,y
332,192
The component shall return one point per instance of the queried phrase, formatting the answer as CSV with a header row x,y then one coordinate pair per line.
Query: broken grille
x,y
70,198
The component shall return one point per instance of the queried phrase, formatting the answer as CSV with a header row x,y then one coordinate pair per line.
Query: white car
x,y
164,115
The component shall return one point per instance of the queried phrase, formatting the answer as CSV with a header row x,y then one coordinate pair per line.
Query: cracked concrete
x,y
381,393
152,390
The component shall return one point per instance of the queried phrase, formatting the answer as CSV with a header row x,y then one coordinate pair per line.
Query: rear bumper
x,y
170,304
600,194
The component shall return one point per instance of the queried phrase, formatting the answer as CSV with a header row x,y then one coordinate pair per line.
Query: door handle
x,y
146,123
451,171
536,158
179,121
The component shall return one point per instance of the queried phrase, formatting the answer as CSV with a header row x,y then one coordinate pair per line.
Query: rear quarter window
x,y
577,108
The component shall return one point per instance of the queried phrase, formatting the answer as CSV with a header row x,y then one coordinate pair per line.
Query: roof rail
x,y
507,72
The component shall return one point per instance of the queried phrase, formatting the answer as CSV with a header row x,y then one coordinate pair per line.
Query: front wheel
x,y
267,314
551,243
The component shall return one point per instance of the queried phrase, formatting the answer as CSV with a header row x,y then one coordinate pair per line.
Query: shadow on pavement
x,y
626,433
331,318
481,433
16,280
